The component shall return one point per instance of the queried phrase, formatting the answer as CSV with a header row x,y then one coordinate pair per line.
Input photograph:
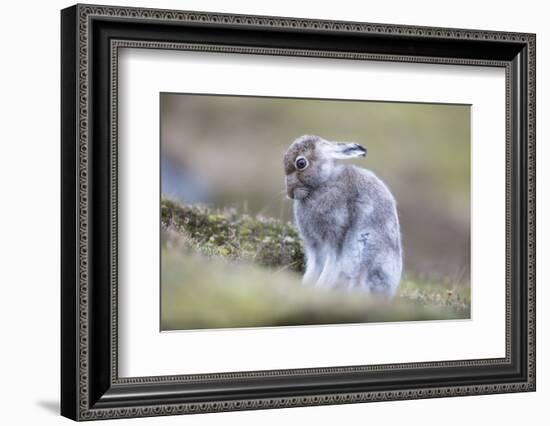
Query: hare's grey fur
x,y
346,216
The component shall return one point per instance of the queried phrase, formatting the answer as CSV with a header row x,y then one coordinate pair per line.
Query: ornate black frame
x,y
90,38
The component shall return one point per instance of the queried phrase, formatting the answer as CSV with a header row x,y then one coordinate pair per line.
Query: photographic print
x,y
292,211
255,183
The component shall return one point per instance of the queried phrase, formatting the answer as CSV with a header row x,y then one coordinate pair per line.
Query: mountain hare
x,y
346,217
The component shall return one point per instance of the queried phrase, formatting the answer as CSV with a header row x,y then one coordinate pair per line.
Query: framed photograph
x,y
263,212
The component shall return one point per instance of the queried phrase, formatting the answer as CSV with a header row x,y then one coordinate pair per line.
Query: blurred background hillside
x,y
226,151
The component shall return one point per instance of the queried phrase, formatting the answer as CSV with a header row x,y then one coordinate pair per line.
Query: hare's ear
x,y
343,150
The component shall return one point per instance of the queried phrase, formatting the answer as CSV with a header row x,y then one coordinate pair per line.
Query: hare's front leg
x,y
330,274
314,265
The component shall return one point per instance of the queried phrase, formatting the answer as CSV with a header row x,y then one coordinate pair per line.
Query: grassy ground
x,y
220,269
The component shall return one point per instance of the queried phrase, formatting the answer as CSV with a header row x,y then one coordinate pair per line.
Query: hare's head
x,y
309,162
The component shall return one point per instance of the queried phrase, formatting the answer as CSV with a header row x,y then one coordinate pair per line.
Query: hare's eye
x,y
301,163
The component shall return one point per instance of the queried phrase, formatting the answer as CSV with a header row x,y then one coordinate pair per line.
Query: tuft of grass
x,y
222,270
454,297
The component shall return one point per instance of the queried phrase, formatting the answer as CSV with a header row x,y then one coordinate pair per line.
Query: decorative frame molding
x,y
91,37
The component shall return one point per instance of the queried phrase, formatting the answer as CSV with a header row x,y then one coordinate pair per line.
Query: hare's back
x,y
371,189
376,208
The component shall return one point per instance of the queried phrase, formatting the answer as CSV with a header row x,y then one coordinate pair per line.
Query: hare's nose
x,y
291,184
290,192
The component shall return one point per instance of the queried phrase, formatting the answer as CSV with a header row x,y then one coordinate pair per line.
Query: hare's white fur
x,y
346,216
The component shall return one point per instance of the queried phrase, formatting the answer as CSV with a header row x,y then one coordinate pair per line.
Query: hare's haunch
x,y
346,217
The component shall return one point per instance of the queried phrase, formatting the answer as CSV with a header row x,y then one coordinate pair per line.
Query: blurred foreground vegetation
x,y
225,270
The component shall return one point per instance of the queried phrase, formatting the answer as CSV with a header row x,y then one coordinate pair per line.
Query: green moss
x,y
261,240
